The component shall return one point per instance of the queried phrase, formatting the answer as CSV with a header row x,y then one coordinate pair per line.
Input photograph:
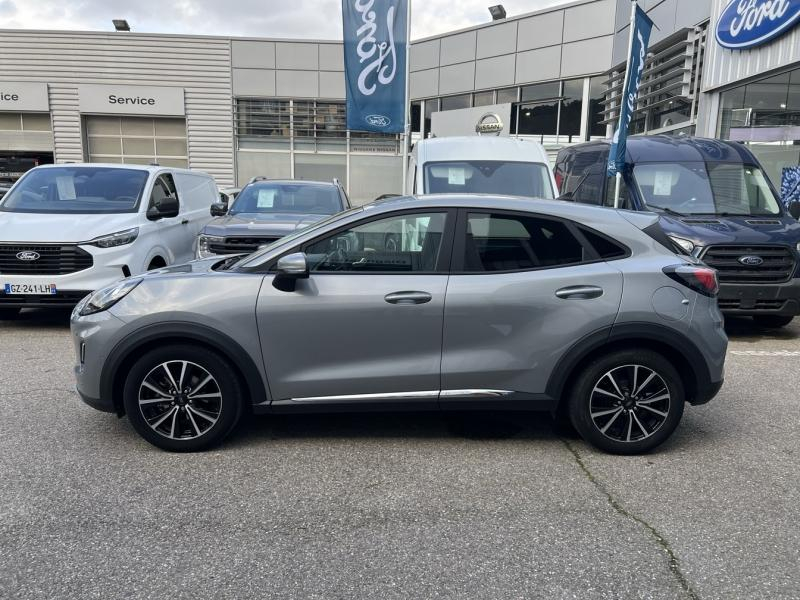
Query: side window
x,y
584,173
498,242
606,248
164,187
624,197
404,244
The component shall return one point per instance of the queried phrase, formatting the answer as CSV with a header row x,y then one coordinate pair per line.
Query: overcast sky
x,y
320,19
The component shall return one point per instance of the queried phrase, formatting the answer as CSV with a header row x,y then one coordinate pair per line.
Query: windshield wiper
x,y
667,210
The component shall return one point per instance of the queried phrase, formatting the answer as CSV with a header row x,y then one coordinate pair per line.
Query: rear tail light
x,y
560,179
702,280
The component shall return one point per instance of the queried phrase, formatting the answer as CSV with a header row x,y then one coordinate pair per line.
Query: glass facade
x,y
308,139
765,114
552,112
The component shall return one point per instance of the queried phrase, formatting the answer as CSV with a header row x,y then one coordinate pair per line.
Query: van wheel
x,y
772,321
628,402
183,398
9,314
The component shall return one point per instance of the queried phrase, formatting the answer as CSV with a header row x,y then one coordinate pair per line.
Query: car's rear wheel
x,y
627,402
183,398
772,321
8,314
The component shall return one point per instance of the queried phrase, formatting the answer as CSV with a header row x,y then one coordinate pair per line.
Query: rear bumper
x,y
781,299
705,392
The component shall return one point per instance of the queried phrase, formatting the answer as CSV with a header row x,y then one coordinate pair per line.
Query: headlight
x,y
685,244
203,243
107,297
115,239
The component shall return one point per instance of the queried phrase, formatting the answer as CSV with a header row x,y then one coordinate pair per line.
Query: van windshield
x,y
488,177
698,188
81,190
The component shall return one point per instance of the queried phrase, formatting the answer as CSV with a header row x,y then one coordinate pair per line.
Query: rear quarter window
x,y
606,248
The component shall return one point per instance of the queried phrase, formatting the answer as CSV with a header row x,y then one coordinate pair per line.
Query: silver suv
x,y
441,303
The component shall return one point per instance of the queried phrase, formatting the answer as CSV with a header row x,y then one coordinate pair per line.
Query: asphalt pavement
x,y
398,506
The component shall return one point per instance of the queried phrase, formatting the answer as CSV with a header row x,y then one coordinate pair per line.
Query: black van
x,y
715,202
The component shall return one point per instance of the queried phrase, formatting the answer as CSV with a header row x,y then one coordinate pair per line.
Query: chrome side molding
x,y
421,395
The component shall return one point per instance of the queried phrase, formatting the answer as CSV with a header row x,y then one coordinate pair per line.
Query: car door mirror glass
x,y
794,209
219,209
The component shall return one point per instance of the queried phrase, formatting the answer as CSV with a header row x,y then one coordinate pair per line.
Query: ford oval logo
x,y
28,255
378,120
748,23
751,261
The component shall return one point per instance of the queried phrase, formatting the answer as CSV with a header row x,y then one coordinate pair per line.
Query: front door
x,y
366,326
523,290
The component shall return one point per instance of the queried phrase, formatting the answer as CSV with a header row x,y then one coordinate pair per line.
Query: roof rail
x,y
258,178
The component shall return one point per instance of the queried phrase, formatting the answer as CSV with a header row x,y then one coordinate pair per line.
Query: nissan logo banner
x,y
642,25
375,40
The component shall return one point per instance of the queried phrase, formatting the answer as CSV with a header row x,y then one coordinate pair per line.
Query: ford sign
x,y
751,261
749,23
28,255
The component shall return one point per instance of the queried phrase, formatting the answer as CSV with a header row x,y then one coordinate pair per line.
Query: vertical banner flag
x,y
375,40
642,25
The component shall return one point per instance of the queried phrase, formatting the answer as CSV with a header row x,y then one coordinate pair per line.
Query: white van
x,y
480,165
67,230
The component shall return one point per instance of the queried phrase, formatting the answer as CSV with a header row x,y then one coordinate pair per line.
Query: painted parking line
x,y
765,352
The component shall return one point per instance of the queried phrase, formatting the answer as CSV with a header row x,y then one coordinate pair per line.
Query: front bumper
x,y
780,299
109,266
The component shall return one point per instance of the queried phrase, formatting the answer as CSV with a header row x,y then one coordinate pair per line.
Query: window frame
x,y
169,179
459,243
442,264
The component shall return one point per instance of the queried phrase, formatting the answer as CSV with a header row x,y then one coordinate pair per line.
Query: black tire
x,y
772,321
9,314
595,401
189,422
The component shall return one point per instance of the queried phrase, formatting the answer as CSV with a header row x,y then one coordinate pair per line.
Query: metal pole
x,y
407,100
625,93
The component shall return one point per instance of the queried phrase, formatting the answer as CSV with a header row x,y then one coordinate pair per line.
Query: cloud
x,y
307,19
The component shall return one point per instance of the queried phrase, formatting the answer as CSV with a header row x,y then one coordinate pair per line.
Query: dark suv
x,y
714,202
266,210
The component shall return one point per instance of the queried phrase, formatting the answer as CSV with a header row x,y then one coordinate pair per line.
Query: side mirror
x,y
289,269
164,209
794,209
219,209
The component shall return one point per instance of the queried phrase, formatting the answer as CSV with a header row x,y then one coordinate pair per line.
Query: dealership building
x,y
238,107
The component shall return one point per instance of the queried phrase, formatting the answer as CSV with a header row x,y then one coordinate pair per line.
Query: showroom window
x,y
456,102
597,93
137,140
483,98
500,242
401,244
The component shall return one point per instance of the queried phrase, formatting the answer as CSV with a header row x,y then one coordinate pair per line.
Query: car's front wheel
x,y
627,402
183,398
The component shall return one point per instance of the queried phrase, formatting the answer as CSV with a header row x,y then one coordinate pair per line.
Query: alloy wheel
x,y
629,403
180,400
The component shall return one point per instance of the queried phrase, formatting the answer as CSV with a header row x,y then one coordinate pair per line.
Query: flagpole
x,y
623,98
407,100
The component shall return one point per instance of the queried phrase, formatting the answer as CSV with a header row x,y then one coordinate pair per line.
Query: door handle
x,y
580,292
185,222
408,297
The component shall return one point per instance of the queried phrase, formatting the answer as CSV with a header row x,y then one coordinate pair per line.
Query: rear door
x,y
524,288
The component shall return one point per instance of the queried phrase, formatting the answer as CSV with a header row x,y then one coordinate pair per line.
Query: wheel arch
x,y
130,348
676,348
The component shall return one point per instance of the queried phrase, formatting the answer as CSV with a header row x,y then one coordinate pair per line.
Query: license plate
x,y
31,289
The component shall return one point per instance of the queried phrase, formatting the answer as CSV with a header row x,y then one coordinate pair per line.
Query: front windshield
x,y
488,177
296,198
78,189
255,259
697,188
